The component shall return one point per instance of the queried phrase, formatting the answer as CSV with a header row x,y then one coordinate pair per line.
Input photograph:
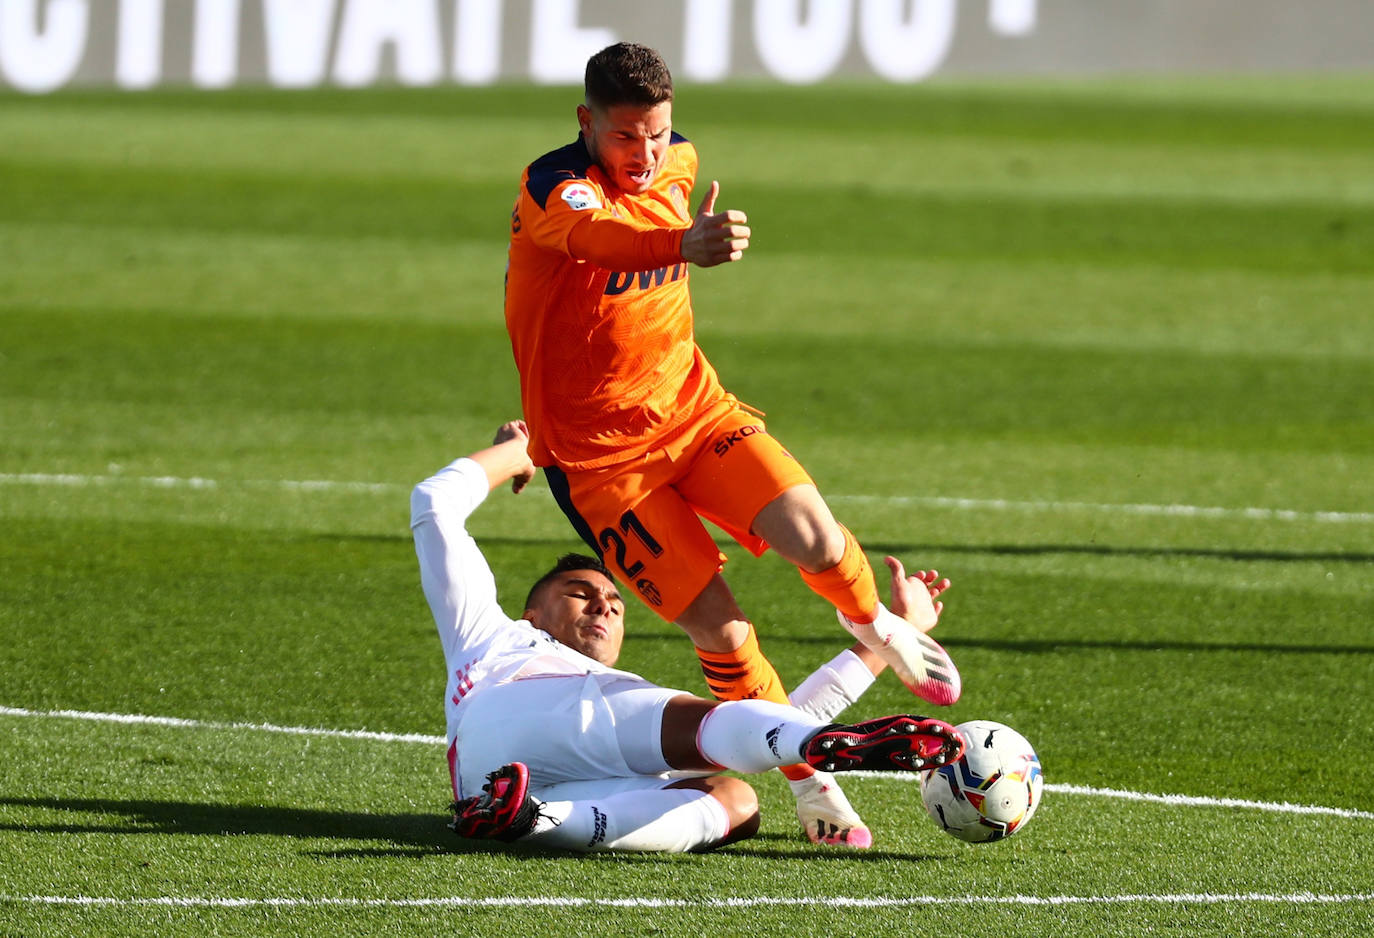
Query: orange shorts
x,y
644,516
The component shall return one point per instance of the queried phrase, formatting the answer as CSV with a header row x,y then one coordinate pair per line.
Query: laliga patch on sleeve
x,y
580,196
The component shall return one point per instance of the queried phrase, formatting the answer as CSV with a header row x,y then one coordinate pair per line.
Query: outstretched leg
x,y
755,735
696,814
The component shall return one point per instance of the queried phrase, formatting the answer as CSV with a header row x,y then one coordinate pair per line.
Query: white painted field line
x,y
729,902
1171,511
923,501
139,718
179,722
77,480
1281,807
1196,801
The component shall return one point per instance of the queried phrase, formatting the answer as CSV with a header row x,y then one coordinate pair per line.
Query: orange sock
x,y
742,674
745,674
849,585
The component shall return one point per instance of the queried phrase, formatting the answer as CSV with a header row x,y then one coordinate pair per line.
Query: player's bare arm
x,y
715,237
508,457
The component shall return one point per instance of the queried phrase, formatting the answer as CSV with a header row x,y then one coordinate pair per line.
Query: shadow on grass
x,y
1045,646
993,550
767,846
425,831
1048,646
401,835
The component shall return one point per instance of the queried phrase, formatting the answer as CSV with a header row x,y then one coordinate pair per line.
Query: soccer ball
x,y
992,792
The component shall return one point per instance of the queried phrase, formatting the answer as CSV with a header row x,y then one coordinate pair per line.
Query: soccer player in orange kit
x,y
637,437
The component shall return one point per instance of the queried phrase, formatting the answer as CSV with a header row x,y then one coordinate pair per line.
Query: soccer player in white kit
x,y
550,745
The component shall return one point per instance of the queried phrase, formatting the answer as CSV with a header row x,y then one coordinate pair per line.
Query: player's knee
x,y
737,797
799,526
741,804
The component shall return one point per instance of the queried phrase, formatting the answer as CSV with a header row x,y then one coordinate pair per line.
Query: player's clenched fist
x,y
715,238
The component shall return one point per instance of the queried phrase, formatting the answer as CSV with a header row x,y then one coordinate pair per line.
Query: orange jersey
x,y
598,310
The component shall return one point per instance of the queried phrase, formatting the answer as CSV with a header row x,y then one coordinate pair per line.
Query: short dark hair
x,y
565,563
627,73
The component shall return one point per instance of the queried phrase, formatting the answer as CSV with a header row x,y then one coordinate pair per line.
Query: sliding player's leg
x,y
648,812
583,763
707,812
578,763
640,815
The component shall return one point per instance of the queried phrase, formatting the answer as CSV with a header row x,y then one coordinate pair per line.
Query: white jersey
x,y
483,647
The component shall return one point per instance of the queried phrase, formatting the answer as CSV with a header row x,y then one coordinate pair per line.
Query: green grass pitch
x,y
1103,353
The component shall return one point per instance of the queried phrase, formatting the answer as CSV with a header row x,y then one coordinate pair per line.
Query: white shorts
x,y
578,734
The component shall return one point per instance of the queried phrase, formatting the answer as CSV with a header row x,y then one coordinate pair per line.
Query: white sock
x,y
833,686
874,634
755,735
662,820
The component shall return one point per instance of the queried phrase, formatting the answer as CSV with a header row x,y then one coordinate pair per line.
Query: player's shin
x,y
849,585
743,673
754,735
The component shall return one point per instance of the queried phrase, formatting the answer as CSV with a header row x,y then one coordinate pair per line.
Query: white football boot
x,y
917,659
826,815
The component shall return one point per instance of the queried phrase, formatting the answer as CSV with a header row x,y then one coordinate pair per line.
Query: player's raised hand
x,y
715,237
521,467
916,598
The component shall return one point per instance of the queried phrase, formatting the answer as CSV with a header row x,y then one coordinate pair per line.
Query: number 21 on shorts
x,y
614,547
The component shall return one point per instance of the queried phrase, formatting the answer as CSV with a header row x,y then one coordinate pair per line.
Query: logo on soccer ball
x,y
580,196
